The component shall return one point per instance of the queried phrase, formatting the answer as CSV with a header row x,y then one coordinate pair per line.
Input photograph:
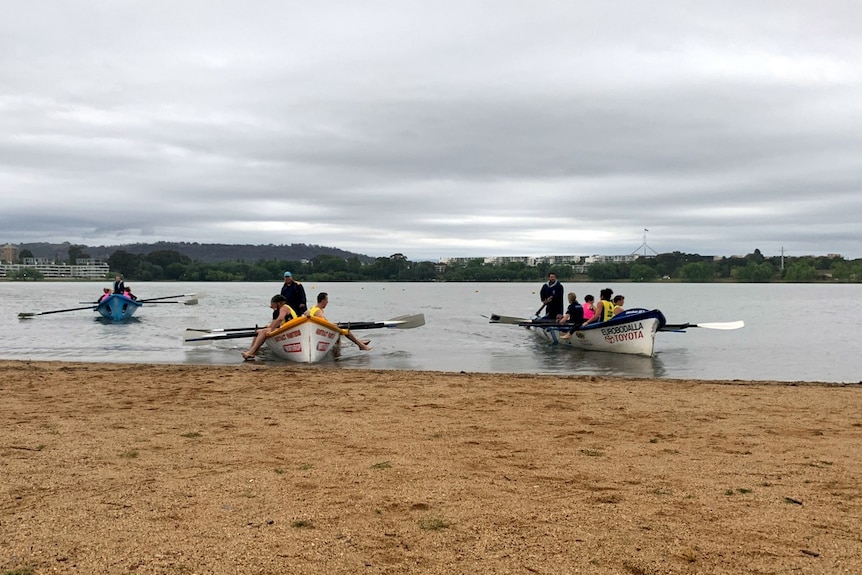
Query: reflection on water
x,y
565,359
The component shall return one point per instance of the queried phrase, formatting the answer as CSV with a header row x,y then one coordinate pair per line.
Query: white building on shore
x,y
579,264
91,269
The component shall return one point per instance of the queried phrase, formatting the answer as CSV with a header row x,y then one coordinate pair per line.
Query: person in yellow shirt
x,y
281,313
317,311
604,309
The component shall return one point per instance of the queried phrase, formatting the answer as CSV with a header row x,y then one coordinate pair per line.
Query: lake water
x,y
793,332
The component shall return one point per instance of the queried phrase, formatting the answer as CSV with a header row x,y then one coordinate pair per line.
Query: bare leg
x,y
258,341
363,344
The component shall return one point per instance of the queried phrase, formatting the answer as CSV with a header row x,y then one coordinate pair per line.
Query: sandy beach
x,y
247,469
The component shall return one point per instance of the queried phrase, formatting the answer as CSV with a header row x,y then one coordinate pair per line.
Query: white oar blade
x,y
721,325
194,333
400,322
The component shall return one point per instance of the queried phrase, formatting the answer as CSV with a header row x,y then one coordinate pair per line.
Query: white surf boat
x,y
631,332
305,339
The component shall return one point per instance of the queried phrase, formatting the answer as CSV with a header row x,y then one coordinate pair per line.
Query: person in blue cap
x,y
294,293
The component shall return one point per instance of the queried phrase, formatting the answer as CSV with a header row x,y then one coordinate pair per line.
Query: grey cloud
x,y
434,130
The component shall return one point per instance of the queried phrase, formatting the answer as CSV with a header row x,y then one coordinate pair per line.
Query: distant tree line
x,y
170,264
754,267
196,251
677,266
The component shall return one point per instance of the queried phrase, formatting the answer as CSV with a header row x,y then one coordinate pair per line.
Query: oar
x,y
220,329
400,322
507,319
716,325
202,336
155,299
208,337
26,315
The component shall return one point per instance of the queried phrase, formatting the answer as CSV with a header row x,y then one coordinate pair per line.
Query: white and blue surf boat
x,y
631,332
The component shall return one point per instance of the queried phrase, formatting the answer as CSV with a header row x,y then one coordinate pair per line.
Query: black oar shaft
x,y
218,336
29,314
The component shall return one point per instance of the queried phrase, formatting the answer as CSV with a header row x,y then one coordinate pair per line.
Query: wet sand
x,y
247,469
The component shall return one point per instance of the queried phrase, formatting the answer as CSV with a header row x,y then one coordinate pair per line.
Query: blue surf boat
x,y
117,307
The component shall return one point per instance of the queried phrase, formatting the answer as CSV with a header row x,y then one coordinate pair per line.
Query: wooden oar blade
x,y
407,321
507,319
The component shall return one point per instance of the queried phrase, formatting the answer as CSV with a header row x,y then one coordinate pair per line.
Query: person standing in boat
x,y
574,316
551,295
281,313
294,293
605,307
119,286
317,311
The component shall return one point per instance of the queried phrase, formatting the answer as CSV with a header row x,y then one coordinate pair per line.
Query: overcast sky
x,y
435,128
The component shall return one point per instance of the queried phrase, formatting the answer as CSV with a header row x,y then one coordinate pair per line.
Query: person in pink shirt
x,y
589,307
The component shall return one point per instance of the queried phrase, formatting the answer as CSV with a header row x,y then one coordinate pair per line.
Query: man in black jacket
x,y
294,293
552,297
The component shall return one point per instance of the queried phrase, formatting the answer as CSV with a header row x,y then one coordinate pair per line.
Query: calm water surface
x,y
793,332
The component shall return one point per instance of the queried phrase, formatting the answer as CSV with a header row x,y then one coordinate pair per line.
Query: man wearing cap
x,y
294,293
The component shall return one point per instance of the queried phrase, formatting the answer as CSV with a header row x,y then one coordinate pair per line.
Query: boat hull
x,y
304,340
117,307
632,332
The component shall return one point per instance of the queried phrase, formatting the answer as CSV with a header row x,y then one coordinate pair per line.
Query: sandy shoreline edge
x,y
152,468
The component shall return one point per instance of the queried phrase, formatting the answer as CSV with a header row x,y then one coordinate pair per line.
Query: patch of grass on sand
x,y
689,554
305,466
634,569
191,435
433,524
381,465
742,490
130,454
21,571
593,452
302,524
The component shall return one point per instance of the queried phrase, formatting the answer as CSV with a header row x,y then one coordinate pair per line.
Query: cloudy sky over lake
x,y
435,128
